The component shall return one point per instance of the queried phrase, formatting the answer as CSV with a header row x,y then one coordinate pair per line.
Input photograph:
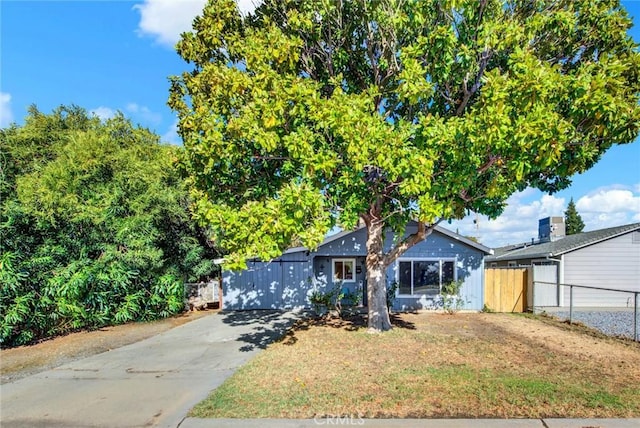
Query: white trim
x,y
454,260
353,269
560,275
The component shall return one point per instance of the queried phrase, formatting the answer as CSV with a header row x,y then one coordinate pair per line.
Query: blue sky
x,y
117,55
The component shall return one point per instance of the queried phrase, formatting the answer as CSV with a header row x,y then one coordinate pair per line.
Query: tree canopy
x,y
308,114
572,219
96,227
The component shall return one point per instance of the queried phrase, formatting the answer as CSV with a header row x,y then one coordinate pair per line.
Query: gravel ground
x,y
612,323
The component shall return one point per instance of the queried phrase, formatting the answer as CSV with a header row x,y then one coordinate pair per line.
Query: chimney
x,y
551,229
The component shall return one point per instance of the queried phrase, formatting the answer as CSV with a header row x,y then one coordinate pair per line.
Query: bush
x,y
96,227
451,300
336,298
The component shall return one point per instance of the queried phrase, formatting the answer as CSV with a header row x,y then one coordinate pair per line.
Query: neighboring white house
x,y
606,258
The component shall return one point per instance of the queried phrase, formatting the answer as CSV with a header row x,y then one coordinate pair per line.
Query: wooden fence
x,y
505,290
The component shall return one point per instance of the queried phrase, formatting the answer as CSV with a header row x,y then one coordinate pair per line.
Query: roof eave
x,y
463,240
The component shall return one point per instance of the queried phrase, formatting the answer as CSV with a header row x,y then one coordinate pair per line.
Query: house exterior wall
x,y
323,271
512,263
469,267
350,246
283,283
518,263
288,281
614,263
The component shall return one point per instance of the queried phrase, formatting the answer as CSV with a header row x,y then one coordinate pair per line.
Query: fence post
x,y
220,293
570,304
635,316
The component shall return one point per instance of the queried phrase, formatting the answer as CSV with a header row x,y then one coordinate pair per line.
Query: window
x,y
417,277
343,270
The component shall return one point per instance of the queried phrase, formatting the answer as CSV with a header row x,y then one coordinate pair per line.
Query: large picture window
x,y
417,277
344,270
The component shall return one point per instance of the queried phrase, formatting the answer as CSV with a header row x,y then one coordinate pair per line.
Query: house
x,y
288,281
604,258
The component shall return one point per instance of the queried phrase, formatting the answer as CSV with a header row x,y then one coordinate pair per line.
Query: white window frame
x,y
454,260
353,270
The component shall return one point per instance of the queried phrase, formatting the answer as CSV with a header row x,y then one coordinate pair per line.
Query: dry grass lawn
x,y
434,366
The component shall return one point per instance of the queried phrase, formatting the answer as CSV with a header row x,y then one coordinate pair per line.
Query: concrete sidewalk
x,y
153,382
411,423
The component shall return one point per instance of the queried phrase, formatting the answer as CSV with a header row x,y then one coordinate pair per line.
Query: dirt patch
x,y
436,366
16,363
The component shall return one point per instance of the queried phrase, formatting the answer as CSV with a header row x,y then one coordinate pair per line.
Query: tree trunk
x,y
376,279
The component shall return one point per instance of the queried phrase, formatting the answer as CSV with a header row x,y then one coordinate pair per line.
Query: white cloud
x,y
103,113
608,200
171,136
165,20
144,113
518,223
610,206
248,6
141,114
604,207
6,114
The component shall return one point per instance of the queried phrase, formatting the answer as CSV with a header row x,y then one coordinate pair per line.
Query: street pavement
x,y
153,382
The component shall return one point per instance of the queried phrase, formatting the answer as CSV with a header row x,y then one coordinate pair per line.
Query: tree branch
x,y
481,8
468,93
492,159
256,157
408,242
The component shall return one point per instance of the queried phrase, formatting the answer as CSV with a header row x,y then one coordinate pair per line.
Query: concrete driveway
x,y
149,383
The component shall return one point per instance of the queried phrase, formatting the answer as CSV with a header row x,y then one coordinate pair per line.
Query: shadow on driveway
x,y
269,326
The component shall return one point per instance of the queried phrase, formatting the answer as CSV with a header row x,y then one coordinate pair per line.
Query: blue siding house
x,y
288,281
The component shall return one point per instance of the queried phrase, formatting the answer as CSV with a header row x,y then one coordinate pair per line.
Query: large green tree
x,y
307,114
572,219
95,229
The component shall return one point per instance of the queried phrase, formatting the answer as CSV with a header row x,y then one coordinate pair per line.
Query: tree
x,y
572,220
95,229
308,114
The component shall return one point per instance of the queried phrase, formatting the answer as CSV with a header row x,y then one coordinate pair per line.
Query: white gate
x,y
544,290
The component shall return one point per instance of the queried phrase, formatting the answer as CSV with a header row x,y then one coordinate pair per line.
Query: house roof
x,y
439,229
344,233
464,240
326,240
560,246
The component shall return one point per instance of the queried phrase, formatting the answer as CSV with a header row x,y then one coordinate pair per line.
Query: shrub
x,y
451,300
